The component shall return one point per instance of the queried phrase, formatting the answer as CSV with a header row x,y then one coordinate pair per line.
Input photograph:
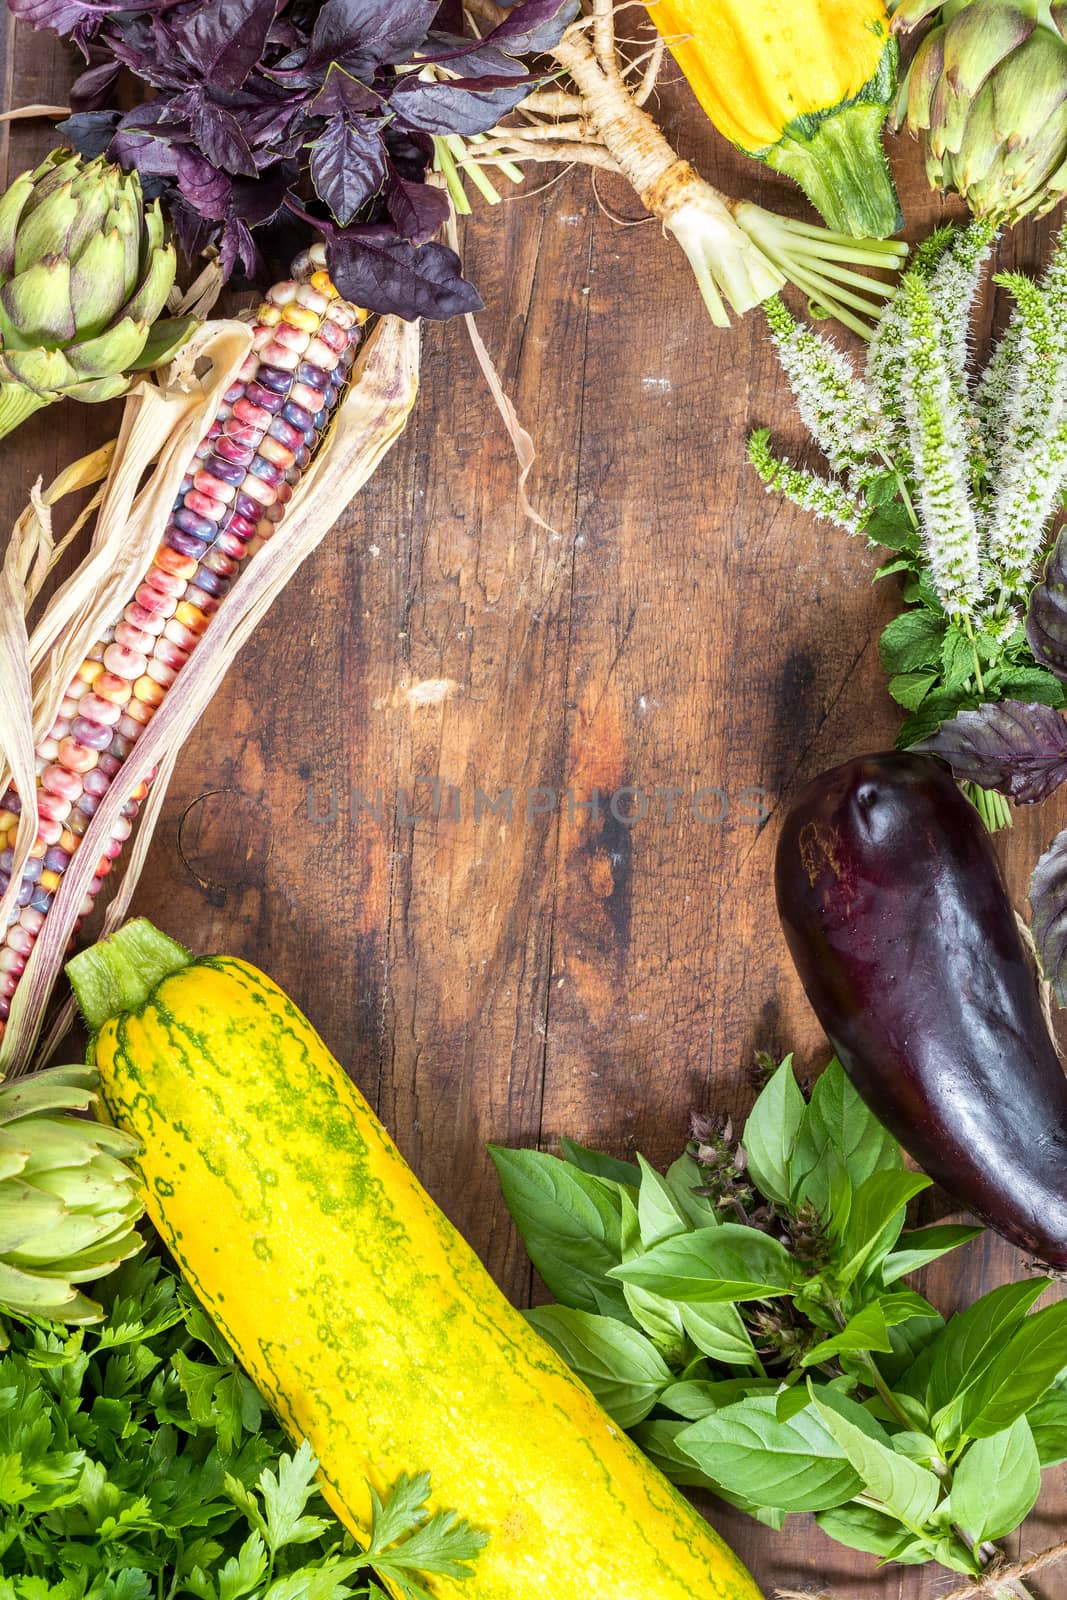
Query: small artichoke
x,y
987,93
84,273
68,1197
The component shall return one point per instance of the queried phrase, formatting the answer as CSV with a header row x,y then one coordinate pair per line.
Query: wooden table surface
x,y
488,978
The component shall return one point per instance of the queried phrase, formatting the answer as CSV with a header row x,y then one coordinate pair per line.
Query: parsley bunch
x,y
138,1462
746,1318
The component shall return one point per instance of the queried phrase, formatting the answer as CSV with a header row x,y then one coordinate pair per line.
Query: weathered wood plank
x,y
557,972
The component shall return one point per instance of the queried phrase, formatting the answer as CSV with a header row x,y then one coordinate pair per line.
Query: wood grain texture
x,y
558,969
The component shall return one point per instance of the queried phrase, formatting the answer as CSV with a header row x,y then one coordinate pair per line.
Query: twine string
x,y
997,1575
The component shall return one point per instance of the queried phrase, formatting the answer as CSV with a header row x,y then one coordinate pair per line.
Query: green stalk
x,y
16,404
842,168
119,974
458,150
445,164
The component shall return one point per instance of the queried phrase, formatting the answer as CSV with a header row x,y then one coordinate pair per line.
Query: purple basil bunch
x,y
271,119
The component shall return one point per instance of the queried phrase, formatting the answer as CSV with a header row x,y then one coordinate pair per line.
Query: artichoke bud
x,y
84,273
978,39
68,1197
985,91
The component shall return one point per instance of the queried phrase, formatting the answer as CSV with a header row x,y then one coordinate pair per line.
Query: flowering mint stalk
x,y
959,476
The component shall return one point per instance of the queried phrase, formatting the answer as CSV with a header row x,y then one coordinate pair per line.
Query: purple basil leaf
x,y
418,209
348,165
341,94
476,57
237,246
455,107
216,133
66,16
1046,619
1020,750
527,30
375,269
224,40
92,91
90,132
151,155
260,200
1048,921
203,185
533,26
191,231
368,33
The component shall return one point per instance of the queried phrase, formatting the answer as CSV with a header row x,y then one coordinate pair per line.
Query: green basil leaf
x,y
996,1482
1018,1375
661,1319
793,1466
867,1330
838,1119
971,1340
771,1133
1048,1423
918,1249
876,1219
622,1368
718,1332
695,1399
658,1212
864,1528
684,1176
907,1490
569,1222
728,1263
598,1165
657,1440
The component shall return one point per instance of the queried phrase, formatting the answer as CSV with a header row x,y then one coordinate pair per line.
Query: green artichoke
x,y
84,273
987,93
68,1198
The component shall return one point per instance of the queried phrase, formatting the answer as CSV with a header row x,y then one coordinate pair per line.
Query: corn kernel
x,y
89,671
50,880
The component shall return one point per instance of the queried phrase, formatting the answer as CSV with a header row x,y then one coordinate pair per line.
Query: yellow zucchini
x,y
362,1315
803,85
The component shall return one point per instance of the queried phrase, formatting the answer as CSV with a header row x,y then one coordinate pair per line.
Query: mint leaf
x,y
912,640
996,1482
728,1263
909,689
771,1133
622,1368
569,1222
793,1466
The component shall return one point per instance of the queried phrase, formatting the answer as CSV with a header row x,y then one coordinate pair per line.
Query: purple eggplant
x,y
898,919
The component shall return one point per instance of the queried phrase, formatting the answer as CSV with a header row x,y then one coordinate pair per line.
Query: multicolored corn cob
x,y
229,504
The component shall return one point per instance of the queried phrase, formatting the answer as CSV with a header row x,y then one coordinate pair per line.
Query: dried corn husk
x,y
161,427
